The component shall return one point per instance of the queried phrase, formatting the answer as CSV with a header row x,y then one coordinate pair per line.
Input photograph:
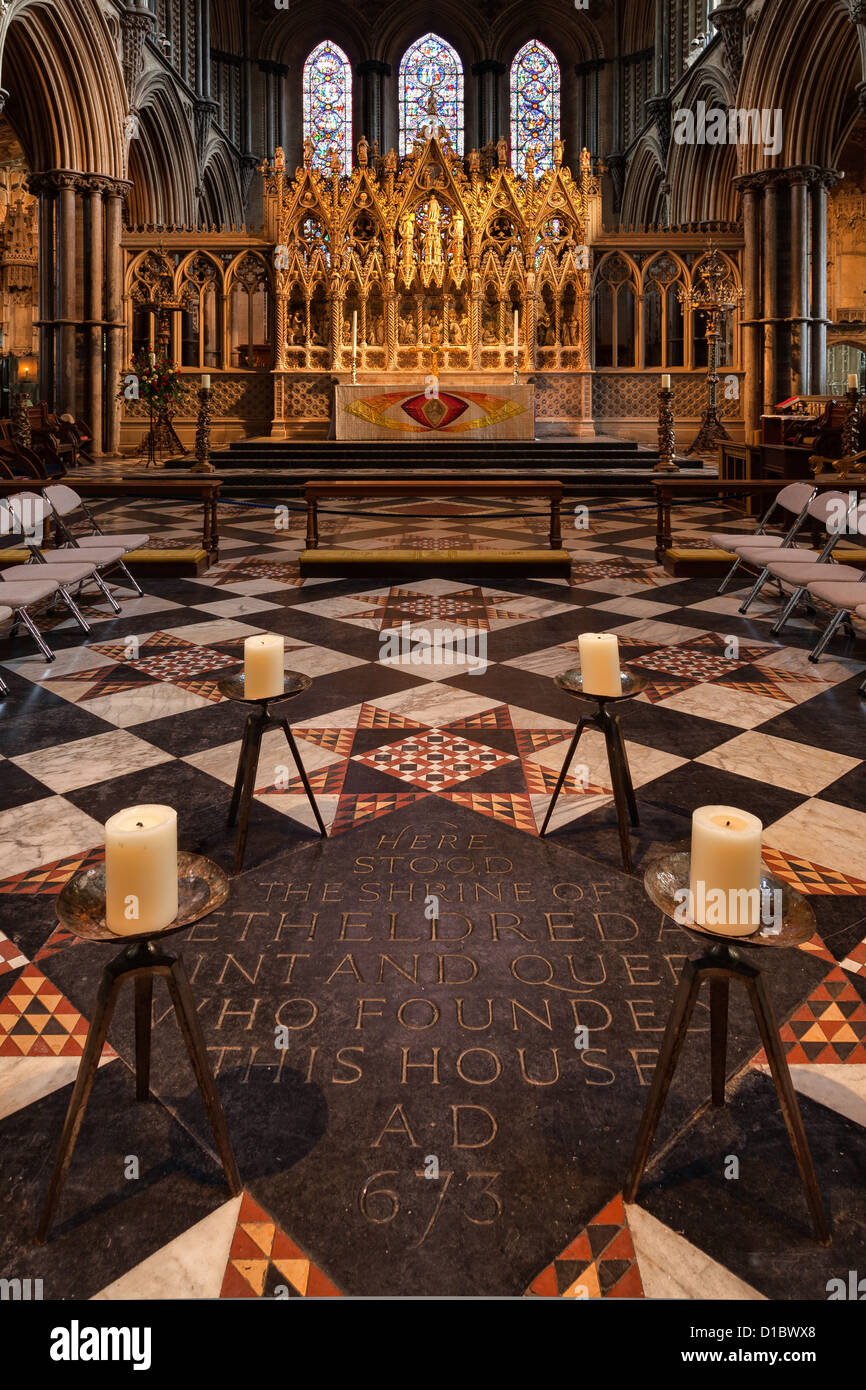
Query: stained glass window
x,y
534,105
328,104
431,66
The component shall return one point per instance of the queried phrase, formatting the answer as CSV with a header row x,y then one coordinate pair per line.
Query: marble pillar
x,y
93,311
490,126
373,74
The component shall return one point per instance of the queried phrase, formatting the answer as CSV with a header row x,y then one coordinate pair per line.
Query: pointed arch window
x,y
535,89
431,67
328,104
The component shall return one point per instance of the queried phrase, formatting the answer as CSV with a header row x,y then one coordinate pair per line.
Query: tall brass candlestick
x,y
851,427
667,441
202,434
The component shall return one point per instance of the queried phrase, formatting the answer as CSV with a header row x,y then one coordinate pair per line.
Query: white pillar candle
x,y
853,381
516,332
141,869
666,381
725,860
151,357
599,663
354,332
264,674
205,382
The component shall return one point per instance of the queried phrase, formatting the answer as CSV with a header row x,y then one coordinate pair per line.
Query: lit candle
x,y
141,870
666,381
599,663
205,382
725,878
853,381
354,332
264,674
516,331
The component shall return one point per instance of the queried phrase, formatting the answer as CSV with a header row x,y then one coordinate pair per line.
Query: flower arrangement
x,y
158,380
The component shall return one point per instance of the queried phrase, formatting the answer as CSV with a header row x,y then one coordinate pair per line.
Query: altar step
x,y
311,456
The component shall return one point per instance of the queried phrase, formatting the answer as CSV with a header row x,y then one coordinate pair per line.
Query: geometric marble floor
x,y
401,1142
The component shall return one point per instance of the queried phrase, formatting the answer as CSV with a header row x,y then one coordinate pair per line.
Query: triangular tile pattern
x,y
811,879
36,1020
50,878
533,740
512,808
372,717
334,740
357,808
326,780
543,779
262,1256
59,939
599,1263
434,759
815,947
829,1027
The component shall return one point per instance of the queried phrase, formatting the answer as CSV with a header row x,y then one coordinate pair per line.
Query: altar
x,y
480,407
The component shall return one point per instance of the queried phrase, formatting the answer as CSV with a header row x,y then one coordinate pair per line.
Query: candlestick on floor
x,y
259,720
623,790
720,963
202,888
202,434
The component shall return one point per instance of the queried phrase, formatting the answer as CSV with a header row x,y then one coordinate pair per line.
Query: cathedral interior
x,y
441,353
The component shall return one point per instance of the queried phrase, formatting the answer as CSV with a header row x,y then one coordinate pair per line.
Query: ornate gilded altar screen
x,y
424,260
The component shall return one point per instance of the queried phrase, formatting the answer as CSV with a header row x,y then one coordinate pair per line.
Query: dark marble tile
x,y
57,721
835,721
849,790
695,784
18,788
758,1225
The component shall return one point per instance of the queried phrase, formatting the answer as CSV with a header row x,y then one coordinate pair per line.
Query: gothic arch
x,y
66,95
162,160
219,197
644,185
573,39
700,177
804,59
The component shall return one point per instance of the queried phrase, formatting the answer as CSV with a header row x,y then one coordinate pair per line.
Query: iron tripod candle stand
x,y
202,888
259,720
608,724
720,963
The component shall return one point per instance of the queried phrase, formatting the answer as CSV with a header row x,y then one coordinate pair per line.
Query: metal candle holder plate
x,y
668,875
234,688
202,887
571,681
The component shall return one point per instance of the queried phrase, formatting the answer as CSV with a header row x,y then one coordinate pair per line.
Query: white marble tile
x,y
551,661
779,762
710,700
796,659
646,764
320,661
42,832
634,607
236,607
86,761
192,1265
137,706
661,634
435,704
24,1080
206,634
249,588
671,1267
72,659
824,833
841,1087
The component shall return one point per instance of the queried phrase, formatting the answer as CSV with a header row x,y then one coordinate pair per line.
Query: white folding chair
x,y
845,596
65,503
21,595
5,613
794,499
819,509
27,514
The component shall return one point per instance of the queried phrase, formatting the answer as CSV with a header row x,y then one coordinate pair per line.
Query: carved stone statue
x,y
502,152
457,229
309,151
363,151
432,239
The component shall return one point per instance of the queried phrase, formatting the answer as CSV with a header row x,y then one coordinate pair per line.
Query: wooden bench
x,y
432,487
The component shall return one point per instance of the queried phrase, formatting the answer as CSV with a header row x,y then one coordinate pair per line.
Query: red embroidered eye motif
x,y
435,412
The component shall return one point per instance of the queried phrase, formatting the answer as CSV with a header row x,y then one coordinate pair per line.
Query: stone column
x,y
41,186
752,334
115,191
67,287
488,73
93,312
372,74
771,303
800,358
825,179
